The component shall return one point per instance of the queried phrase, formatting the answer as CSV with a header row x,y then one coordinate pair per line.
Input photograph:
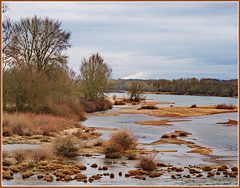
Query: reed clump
x,y
225,106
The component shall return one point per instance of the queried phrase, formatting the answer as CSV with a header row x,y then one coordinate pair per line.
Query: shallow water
x,y
185,100
115,166
222,139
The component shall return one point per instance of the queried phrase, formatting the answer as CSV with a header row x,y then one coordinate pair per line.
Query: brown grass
x,y
20,155
224,106
97,105
68,110
148,106
65,146
124,138
147,162
119,103
27,124
5,154
119,141
41,154
113,150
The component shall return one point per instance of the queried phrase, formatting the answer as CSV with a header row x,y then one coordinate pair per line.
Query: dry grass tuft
x,y
65,146
147,162
20,155
224,106
119,141
124,138
41,154
113,150
148,106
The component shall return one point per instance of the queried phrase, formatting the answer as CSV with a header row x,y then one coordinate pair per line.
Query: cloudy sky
x,y
148,40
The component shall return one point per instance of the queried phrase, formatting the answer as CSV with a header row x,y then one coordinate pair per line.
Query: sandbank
x,y
164,122
229,122
174,111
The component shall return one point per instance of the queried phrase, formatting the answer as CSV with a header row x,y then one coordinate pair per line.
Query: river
x,y
222,139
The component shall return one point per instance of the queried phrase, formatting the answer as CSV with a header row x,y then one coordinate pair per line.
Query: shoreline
x,y
171,93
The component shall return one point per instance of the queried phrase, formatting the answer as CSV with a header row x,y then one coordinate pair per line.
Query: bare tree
x,y
33,54
94,77
39,43
7,33
135,91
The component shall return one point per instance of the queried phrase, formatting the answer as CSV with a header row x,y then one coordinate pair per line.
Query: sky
x,y
147,40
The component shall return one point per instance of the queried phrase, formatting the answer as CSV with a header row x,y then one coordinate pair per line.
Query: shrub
x,y
5,155
119,103
224,106
124,138
113,150
147,162
7,131
19,155
41,154
78,111
69,110
65,146
148,106
97,105
193,106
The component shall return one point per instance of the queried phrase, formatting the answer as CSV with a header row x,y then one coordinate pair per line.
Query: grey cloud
x,y
129,35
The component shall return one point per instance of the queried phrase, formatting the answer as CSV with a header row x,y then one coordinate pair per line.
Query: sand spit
x,y
143,151
171,138
174,111
229,122
164,122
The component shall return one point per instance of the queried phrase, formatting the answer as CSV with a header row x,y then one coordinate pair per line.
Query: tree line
x,y
37,78
189,86
36,75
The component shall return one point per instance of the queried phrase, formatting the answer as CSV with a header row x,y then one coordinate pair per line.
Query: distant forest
x,y
188,86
